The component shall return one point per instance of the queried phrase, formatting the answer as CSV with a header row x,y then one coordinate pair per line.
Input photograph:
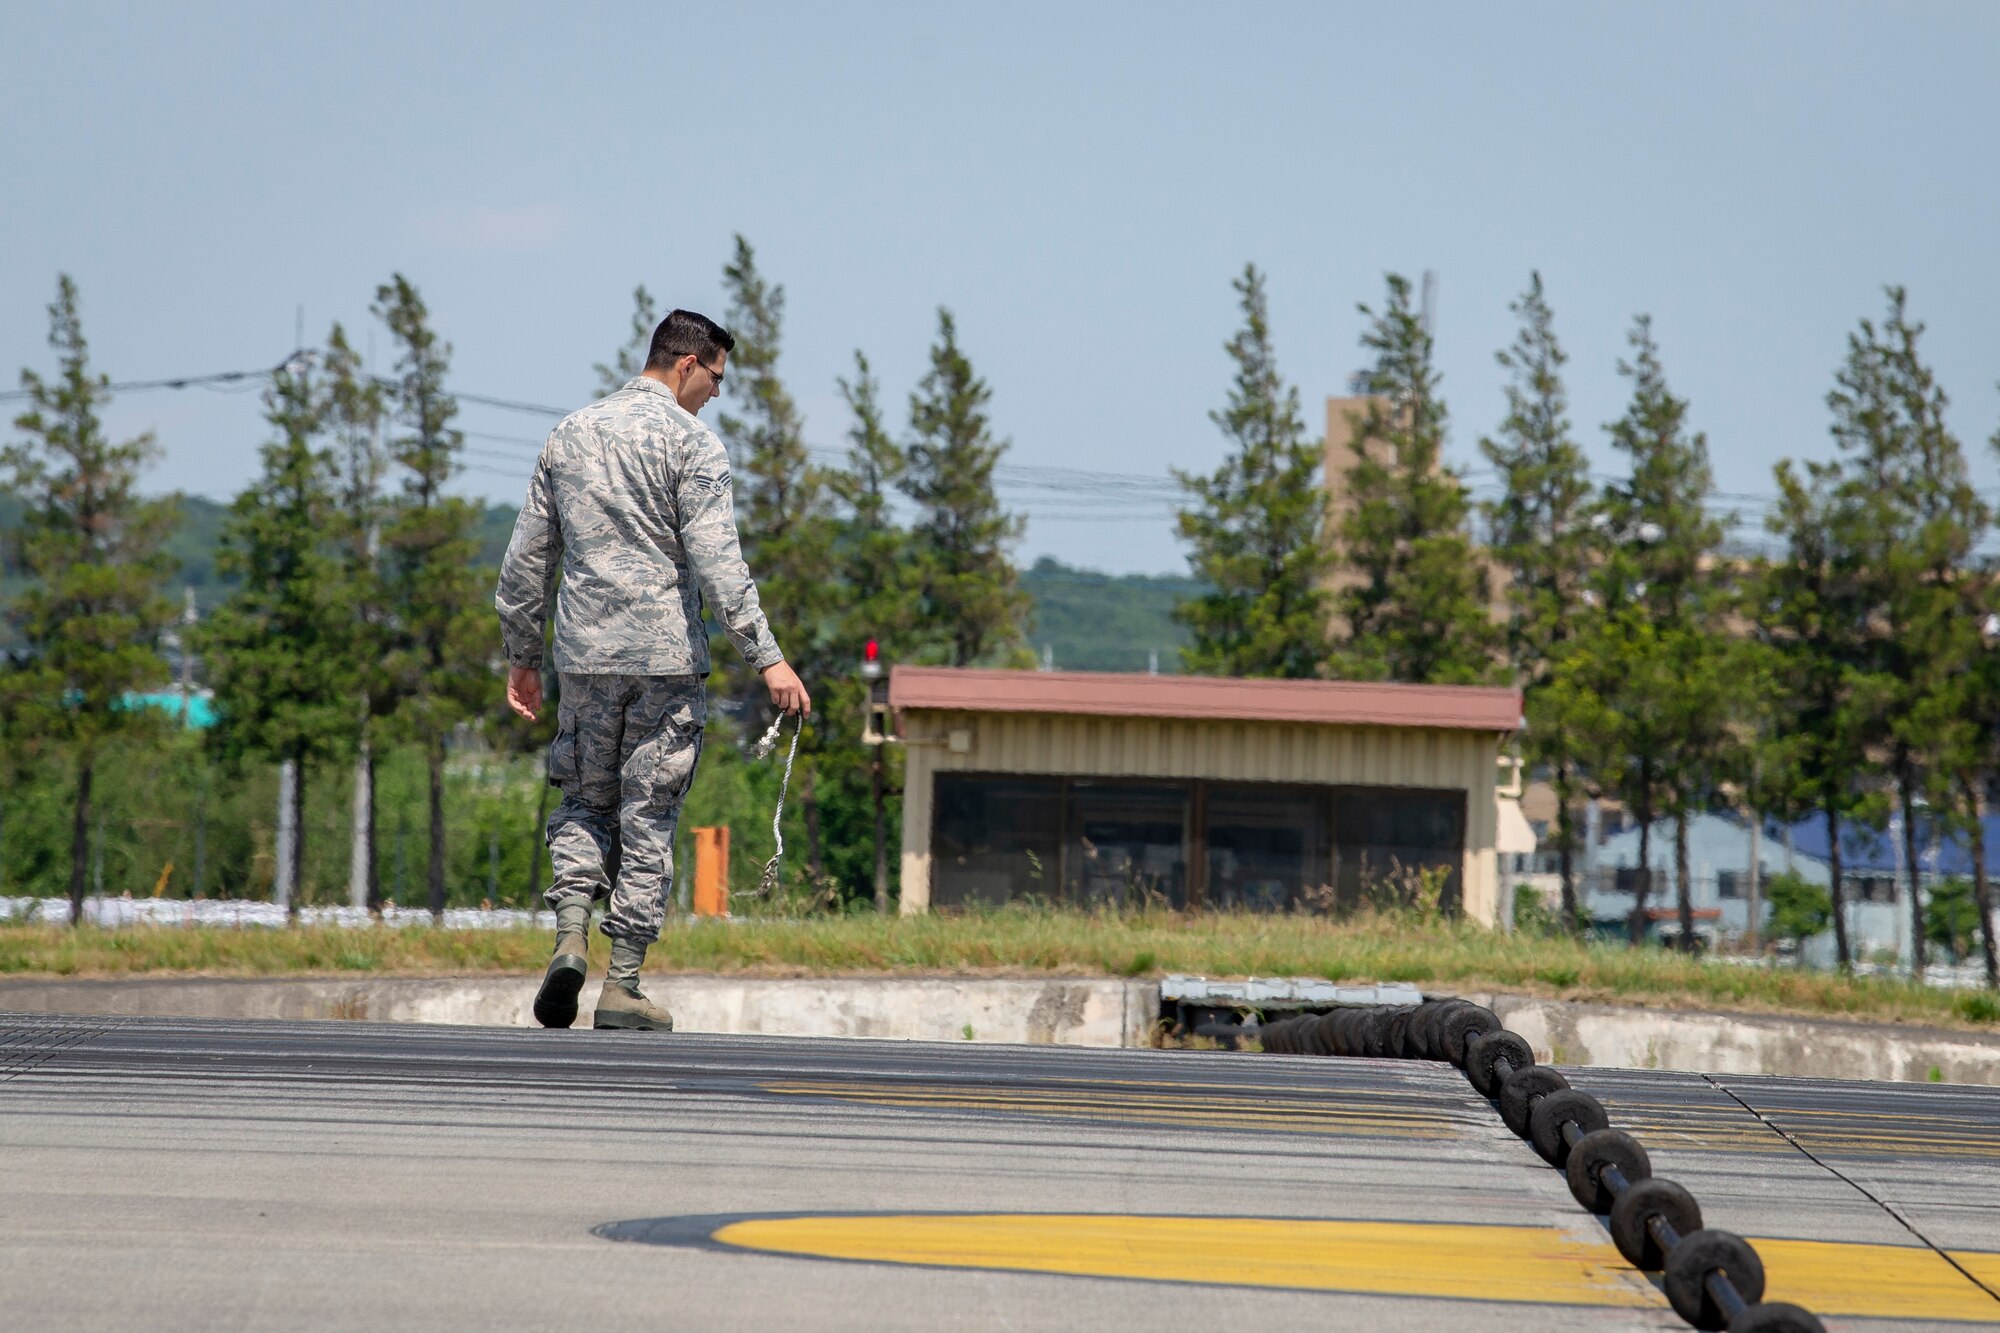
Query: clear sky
x,y
1079,183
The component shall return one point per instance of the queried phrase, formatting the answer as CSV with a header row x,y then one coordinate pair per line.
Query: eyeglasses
x,y
713,374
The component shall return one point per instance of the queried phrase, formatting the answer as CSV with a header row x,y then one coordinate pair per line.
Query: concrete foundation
x,y
1050,1012
1607,1035
1060,1012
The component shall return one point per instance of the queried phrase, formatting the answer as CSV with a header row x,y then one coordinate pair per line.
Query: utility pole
x,y
190,617
201,832
361,854
536,847
364,874
183,645
283,891
881,838
1756,879
402,847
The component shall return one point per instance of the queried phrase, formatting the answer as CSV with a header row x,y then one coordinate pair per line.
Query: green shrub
x,y
1533,914
1800,909
1951,918
1979,1007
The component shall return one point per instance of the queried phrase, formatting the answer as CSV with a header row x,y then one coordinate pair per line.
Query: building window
x,y
1267,847
995,839
1732,883
1627,879
1121,843
1871,888
1390,842
1125,844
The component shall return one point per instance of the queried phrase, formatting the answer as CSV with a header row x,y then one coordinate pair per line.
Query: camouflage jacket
x,y
631,501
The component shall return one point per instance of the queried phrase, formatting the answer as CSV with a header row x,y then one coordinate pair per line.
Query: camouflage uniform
x,y
631,502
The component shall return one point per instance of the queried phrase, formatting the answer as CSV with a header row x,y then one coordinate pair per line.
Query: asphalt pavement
x,y
226,1175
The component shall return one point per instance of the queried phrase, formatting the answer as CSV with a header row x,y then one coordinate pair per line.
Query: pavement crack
x,y
1852,1183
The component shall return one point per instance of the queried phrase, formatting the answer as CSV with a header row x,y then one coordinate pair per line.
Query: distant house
x,y
1719,858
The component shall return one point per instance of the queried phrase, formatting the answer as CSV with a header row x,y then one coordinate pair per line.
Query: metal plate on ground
x,y
1282,993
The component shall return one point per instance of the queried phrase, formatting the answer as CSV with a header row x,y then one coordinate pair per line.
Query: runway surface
x,y
184,1174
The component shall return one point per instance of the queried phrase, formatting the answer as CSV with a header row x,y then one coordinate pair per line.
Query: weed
x,y
1979,1007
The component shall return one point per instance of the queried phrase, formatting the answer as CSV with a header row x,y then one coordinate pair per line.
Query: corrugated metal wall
x,y
1180,748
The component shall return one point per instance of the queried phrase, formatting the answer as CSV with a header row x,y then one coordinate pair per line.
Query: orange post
x,y
711,871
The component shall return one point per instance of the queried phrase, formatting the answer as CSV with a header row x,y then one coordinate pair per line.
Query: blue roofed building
x,y
1721,847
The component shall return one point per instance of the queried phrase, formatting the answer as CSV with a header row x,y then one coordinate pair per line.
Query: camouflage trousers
x,y
624,756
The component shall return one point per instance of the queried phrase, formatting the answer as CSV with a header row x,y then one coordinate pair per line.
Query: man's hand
x,y
788,692
524,690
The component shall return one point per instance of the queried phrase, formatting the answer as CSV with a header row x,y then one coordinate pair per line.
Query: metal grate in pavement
x,y
29,1040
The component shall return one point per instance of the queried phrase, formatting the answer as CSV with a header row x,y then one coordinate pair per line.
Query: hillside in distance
x,y
1083,620
1090,621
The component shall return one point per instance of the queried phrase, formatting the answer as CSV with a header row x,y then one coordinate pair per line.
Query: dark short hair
x,y
684,333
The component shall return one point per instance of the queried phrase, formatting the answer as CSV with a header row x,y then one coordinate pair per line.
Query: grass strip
x,y
1430,953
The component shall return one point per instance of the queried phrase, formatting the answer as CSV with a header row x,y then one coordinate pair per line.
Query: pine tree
x,y
1712,690
1615,658
873,554
631,358
1970,749
970,596
1257,526
1923,521
92,551
1417,611
781,497
1959,717
438,596
279,652
1662,566
355,409
1809,610
874,548
1542,537
782,503
1937,598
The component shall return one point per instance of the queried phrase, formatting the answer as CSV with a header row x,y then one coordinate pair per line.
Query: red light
x,y
872,652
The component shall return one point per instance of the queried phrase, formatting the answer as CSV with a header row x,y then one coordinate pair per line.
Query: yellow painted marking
x,y
1365,1119
1540,1265
1879,1281
1527,1265
1985,1267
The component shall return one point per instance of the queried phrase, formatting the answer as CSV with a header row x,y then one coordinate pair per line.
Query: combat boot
x,y
555,1002
621,1006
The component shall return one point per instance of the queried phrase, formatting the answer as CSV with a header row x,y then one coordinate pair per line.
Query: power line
x,y
216,380
507,404
1076,485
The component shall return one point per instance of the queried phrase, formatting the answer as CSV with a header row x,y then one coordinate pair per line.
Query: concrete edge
x,y
1069,1011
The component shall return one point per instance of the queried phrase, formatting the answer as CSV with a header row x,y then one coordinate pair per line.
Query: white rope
x,y
762,750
